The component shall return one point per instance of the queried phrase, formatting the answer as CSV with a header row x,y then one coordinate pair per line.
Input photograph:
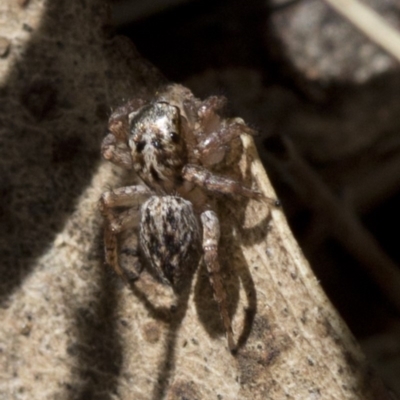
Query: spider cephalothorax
x,y
157,146
171,143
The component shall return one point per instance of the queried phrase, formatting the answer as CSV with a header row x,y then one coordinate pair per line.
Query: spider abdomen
x,y
169,236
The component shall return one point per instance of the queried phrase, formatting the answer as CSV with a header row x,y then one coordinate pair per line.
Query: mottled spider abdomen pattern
x,y
169,237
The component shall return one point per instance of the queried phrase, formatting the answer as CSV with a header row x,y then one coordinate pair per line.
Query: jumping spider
x,y
171,143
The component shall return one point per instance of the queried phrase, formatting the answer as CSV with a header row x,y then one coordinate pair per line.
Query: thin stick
x,y
370,23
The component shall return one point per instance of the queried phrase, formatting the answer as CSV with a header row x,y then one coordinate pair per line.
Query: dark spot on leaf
x,y
39,97
27,28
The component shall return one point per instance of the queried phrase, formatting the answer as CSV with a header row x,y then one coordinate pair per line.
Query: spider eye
x,y
174,137
157,144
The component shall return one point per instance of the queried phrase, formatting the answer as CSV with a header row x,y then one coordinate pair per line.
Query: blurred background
x,y
325,101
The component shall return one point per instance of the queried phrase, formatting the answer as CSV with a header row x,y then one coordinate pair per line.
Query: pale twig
x,y
370,23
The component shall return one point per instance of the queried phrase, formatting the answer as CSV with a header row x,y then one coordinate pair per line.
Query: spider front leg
x,y
211,235
131,197
216,183
115,147
212,149
116,151
202,177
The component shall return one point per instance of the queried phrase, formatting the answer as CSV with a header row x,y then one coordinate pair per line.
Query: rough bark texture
x,y
69,329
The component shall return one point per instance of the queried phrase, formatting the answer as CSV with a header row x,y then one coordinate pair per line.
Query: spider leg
x,y
130,196
116,151
207,111
212,148
211,235
205,179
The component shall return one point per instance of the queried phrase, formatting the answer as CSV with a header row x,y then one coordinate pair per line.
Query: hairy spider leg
x,y
211,235
130,196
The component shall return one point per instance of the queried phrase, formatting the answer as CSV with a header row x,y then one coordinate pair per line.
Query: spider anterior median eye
x,y
156,143
174,137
